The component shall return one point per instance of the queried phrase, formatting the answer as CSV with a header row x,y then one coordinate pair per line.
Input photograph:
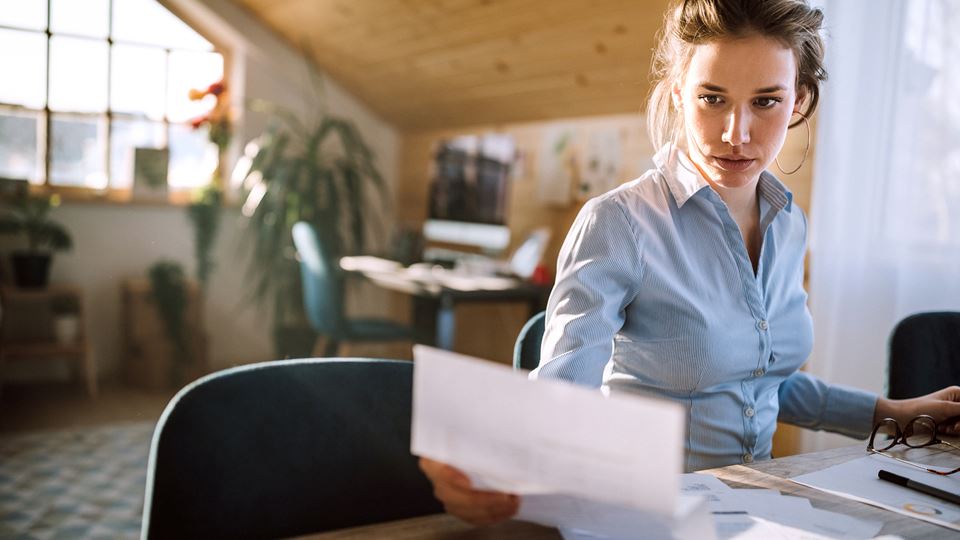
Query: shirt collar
x,y
684,181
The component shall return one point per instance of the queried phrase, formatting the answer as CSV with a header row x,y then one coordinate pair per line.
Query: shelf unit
x,y
27,331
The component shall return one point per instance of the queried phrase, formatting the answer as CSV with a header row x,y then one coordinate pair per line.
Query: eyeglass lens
x,y
921,431
886,434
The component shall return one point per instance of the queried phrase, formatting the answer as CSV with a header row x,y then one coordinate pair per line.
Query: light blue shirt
x,y
656,295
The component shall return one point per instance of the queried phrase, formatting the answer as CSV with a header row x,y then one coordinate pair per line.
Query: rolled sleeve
x,y
808,402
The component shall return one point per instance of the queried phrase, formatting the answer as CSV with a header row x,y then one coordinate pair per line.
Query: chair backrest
x,y
924,354
526,351
322,280
286,448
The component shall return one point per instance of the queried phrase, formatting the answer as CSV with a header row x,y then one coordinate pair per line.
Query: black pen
x,y
918,486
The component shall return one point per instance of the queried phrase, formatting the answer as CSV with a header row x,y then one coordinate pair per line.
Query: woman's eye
x,y
766,102
710,99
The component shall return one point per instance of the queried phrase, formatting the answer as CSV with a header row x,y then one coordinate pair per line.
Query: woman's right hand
x,y
474,506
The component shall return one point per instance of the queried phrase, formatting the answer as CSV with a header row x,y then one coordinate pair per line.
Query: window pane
x,y
18,145
191,70
146,21
77,152
28,87
78,75
138,80
125,136
193,158
81,17
24,13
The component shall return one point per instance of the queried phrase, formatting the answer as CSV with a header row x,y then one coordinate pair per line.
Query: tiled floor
x,y
74,483
71,466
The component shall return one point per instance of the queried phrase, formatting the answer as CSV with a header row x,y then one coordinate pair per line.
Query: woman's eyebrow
x,y
766,90
770,89
712,87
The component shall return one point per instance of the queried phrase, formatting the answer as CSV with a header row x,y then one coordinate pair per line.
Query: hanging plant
x,y
204,214
205,208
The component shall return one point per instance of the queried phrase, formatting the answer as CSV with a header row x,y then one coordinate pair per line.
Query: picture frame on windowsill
x,y
150,173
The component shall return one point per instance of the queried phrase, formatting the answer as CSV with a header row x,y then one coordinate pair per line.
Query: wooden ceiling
x,y
425,64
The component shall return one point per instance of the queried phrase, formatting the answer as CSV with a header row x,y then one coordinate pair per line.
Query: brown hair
x,y
693,22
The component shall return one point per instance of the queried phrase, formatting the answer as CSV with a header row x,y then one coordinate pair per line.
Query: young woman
x,y
687,283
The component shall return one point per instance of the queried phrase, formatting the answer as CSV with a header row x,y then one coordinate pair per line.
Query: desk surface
x,y
767,474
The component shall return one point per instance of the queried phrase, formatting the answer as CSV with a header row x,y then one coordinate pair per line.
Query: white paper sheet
x,y
691,521
857,480
764,513
545,437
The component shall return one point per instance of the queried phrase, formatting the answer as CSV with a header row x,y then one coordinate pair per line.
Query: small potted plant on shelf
x,y
66,318
27,215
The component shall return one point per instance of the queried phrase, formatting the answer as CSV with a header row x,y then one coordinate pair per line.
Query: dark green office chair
x,y
286,448
526,351
924,354
323,297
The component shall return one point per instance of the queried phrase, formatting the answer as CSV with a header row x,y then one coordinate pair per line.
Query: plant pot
x,y
66,328
31,270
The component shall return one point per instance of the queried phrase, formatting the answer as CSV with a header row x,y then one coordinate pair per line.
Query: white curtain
x,y
885,215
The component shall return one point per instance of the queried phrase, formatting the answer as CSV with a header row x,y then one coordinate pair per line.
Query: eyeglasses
x,y
919,433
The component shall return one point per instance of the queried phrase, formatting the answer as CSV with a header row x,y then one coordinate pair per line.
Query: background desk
x,y
434,300
768,474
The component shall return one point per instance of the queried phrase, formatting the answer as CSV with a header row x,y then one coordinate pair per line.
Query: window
x,y
94,80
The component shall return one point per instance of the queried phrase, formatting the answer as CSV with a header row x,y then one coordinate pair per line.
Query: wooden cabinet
x,y
150,359
28,330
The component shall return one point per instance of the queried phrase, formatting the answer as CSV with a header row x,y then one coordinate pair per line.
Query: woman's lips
x,y
735,165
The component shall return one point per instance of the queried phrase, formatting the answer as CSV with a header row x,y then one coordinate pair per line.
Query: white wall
x,y
114,242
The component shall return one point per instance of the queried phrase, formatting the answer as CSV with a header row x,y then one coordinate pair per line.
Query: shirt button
x,y
762,325
748,458
748,412
758,372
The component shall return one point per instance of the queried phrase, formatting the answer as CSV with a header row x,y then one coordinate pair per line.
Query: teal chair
x,y
286,448
323,297
526,351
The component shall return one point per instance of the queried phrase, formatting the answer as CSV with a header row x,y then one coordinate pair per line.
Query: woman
x,y
687,283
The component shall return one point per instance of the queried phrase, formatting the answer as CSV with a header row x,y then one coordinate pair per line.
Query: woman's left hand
x,y
943,405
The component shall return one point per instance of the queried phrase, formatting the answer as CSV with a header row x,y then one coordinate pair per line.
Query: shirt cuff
x,y
849,411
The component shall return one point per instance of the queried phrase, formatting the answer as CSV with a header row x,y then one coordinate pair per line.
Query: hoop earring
x,y
806,150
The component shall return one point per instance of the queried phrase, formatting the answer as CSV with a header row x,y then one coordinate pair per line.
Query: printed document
x,y
857,480
546,437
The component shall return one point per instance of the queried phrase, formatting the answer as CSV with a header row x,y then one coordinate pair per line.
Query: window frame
x,y
110,194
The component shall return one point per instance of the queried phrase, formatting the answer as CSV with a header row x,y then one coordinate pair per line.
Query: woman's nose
x,y
737,129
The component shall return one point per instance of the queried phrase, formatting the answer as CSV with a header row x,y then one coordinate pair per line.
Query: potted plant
x,y
66,318
27,215
169,294
323,174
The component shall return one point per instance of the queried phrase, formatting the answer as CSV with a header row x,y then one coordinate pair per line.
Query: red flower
x,y
216,88
199,121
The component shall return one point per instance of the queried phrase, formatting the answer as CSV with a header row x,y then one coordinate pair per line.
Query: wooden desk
x,y
767,474
434,300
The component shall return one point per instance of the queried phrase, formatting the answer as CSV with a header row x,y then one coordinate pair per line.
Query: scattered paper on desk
x,y
857,479
583,518
691,520
545,437
743,514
